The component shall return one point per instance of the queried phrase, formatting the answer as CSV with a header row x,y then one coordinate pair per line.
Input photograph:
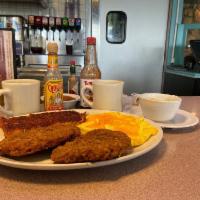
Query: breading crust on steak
x,y
96,145
29,141
40,120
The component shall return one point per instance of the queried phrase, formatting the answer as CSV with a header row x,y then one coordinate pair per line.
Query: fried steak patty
x,y
29,141
96,145
40,120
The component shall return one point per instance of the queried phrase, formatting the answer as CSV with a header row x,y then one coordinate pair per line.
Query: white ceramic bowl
x,y
159,107
68,103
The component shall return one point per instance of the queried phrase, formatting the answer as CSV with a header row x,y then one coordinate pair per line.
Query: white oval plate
x,y
182,119
42,161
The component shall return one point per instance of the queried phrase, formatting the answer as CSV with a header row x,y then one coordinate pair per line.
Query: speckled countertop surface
x,y
169,172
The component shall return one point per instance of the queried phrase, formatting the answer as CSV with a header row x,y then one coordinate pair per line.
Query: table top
x,y
171,171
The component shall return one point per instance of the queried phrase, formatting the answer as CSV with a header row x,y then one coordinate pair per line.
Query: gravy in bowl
x,y
68,98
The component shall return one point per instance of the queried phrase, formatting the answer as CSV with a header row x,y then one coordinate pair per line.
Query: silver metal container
x,y
15,22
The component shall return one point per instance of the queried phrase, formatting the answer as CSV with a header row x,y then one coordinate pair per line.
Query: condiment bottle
x,y
90,71
53,86
73,79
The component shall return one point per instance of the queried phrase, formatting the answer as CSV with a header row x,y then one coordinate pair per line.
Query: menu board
x,y
7,54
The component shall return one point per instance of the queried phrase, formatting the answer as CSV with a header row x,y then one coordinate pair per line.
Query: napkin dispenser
x,y
7,54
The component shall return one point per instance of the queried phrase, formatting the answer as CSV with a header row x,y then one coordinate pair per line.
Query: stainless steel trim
x,y
170,6
175,31
40,70
42,60
95,30
31,69
88,18
30,75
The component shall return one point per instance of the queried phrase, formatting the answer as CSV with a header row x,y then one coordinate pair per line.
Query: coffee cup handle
x,y
4,110
136,98
88,102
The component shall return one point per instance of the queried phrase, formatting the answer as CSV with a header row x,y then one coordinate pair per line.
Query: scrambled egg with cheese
x,y
137,128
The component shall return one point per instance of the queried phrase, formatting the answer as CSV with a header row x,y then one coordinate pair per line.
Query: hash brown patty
x,y
96,145
26,142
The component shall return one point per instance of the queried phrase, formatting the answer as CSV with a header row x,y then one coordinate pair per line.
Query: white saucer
x,y
182,119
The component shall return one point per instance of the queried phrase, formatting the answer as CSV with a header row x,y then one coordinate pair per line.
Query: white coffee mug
x,y
21,96
107,94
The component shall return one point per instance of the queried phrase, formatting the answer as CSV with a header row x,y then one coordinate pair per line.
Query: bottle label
x,y
51,21
38,21
45,21
65,21
87,93
53,95
71,22
58,21
78,22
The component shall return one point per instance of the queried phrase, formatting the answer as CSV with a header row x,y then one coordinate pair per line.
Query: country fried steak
x,y
96,145
40,120
29,141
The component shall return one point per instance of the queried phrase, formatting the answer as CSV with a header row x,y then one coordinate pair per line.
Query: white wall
x,y
138,61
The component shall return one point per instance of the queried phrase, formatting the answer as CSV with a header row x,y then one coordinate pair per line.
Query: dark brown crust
x,y
96,145
26,142
40,120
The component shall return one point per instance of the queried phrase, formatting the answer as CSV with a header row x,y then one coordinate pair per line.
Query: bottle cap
x,y
52,47
91,40
72,62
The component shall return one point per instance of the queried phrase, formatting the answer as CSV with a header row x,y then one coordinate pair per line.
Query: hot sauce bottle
x,y
90,71
73,81
53,86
